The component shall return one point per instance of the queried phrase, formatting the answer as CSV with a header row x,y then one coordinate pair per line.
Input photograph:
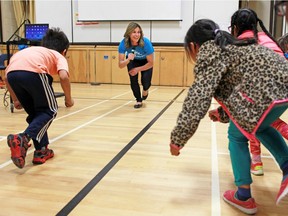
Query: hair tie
x,y
216,31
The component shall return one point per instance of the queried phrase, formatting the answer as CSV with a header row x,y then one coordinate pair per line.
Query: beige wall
x,y
8,19
262,8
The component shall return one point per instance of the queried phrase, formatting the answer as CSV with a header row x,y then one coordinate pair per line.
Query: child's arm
x,y
16,103
65,84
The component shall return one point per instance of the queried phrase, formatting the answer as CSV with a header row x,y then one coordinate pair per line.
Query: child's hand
x,y
69,103
175,149
214,115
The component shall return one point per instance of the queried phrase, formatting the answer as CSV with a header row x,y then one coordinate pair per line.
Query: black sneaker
x,y
138,105
145,97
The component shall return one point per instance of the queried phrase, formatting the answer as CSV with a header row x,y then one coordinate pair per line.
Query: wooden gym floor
x,y
111,159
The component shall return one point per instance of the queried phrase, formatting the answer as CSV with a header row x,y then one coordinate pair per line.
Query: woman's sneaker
x,y
283,191
19,144
248,206
40,156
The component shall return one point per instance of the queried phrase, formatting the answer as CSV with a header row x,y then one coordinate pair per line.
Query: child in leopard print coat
x,y
244,24
245,78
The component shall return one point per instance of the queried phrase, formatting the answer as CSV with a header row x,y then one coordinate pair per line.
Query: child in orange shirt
x,y
29,81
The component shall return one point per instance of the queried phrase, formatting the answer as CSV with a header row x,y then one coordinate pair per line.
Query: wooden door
x,y
78,67
119,76
171,68
103,66
156,65
190,74
91,65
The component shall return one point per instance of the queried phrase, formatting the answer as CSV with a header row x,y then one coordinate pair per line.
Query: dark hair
x,y
283,42
246,19
204,30
55,39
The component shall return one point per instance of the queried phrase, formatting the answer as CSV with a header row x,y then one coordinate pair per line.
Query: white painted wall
x,y
63,14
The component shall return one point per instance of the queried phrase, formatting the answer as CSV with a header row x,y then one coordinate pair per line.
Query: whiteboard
x,y
220,11
60,16
123,10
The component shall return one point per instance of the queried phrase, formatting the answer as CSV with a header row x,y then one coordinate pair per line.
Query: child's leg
x,y
42,152
29,89
44,108
36,94
240,159
256,164
43,142
240,156
281,126
275,143
271,138
255,150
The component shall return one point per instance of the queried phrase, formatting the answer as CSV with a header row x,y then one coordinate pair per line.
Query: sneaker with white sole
x,y
283,191
257,169
248,206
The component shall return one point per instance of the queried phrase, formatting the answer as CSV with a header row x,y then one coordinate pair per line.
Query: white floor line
x,y
73,113
262,156
215,188
71,131
89,122
81,126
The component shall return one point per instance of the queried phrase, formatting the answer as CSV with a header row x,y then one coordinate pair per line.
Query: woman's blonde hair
x,y
130,28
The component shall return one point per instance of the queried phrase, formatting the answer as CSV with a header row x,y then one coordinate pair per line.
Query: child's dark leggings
x,y
35,93
146,77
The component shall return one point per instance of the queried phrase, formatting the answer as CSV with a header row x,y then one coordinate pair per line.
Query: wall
x,y
59,13
262,8
64,15
116,10
8,19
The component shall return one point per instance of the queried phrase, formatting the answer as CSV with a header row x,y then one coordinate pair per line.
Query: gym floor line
x,y
75,113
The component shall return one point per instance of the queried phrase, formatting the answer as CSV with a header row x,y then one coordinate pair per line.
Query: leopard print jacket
x,y
244,79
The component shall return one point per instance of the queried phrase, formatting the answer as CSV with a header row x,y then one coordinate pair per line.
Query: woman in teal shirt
x,y
136,53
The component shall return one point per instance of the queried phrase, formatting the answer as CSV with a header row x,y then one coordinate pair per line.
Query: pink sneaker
x,y
248,206
257,169
283,191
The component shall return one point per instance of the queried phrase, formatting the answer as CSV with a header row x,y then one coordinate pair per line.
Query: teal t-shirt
x,y
140,52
